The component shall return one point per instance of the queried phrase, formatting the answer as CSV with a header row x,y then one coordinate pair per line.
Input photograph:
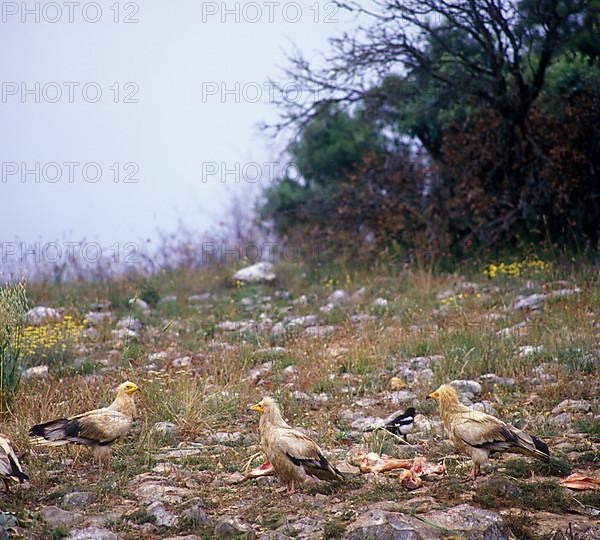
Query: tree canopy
x,y
502,98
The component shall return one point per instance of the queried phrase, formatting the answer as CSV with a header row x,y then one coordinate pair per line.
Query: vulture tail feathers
x,y
57,432
16,471
541,450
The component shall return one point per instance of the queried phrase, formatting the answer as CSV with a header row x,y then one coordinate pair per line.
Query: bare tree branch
x,y
476,47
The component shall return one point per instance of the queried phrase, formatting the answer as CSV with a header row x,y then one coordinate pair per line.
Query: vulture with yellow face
x,y
478,434
293,455
98,429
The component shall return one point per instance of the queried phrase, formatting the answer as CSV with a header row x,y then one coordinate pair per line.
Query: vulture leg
x,y
475,471
291,488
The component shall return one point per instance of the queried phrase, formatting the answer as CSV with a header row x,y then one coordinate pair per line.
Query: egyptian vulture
x,y
10,468
294,456
478,434
98,429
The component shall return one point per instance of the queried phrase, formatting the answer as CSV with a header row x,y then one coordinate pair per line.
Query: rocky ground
x,y
339,350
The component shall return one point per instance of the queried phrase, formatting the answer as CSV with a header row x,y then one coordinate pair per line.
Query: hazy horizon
x,y
164,108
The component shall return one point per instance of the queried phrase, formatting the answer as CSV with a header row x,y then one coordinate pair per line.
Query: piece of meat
x,y
580,482
410,480
266,469
373,462
421,466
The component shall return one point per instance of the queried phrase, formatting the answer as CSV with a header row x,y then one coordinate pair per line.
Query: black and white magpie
x,y
399,423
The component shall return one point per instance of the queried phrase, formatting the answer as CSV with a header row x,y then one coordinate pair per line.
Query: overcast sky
x,y
142,104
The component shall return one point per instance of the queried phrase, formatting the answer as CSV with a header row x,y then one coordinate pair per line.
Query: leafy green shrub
x,y
13,311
